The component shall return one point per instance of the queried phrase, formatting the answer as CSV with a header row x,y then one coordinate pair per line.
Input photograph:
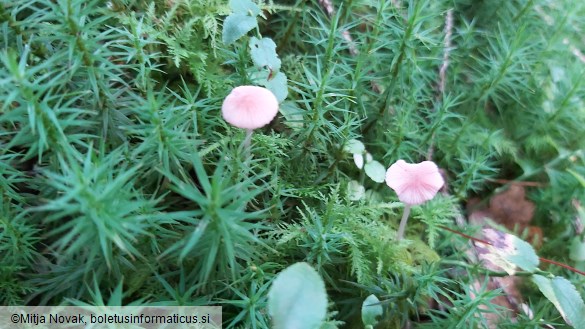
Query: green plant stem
x,y
319,98
403,221
292,23
395,69
363,174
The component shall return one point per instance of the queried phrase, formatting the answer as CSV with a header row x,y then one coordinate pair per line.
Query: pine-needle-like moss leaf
x,y
95,206
220,231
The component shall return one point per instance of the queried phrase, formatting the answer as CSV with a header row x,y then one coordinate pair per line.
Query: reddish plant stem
x,y
572,269
464,235
544,260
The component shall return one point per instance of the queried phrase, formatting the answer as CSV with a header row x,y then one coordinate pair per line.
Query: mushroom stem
x,y
403,221
248,137
247,142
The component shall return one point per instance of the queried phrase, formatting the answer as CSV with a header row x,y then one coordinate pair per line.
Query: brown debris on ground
x,y
511,209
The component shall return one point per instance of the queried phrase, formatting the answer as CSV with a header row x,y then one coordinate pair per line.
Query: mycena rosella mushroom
x,y
249,107
414,183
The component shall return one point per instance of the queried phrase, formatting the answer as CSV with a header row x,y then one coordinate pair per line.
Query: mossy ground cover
x,y
120,180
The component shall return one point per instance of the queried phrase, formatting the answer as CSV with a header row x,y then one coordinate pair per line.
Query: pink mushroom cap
x,y
249,107
414,183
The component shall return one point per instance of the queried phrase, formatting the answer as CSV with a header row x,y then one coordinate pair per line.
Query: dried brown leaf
x,y
511,208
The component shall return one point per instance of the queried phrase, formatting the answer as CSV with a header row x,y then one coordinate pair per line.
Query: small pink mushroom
x,y
249,107
414,183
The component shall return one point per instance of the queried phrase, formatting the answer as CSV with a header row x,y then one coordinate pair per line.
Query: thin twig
x,y
446,50
352,48
443,71
578,221
575,50
328,7
330,10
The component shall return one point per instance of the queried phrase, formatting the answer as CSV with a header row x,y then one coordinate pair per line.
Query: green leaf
x,y
276,82
292,114
369,157
297,298
355,191
278,86
259,77
244,7
354,146
577,250
528,166
263,52
236,26
374,197
358,159
564,297
371,309
194,238
376,171
508,252
579,178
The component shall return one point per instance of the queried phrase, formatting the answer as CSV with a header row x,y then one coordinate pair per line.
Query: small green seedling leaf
x,y
376,171
355,191
557,73
278,85
371,309
259,77
369,157
276,82
297,298
236,26
358,159
374,197
354,146
244,7
577,250
263,52
562,293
